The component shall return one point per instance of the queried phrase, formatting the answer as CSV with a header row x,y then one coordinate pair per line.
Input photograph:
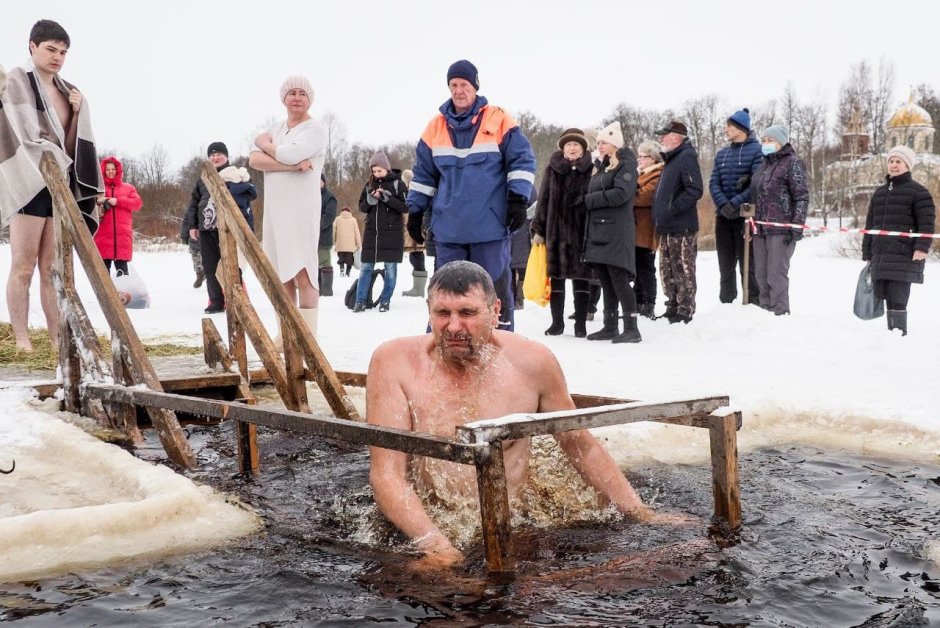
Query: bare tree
x,y
926,97
155,167
881,97
637,124
789,112
705,119
336,145
763,116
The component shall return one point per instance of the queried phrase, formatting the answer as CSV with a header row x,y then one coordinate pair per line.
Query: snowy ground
x,y
819,376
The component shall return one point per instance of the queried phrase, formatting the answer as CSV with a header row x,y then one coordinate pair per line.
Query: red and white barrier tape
x,y
880,232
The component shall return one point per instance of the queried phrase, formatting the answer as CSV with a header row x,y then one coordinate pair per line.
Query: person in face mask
x,y
780,191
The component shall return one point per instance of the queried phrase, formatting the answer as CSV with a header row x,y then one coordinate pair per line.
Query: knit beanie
x,y
216,147
778,132
465,70
905,154
379,159
296,81
741,119
573,135
611,134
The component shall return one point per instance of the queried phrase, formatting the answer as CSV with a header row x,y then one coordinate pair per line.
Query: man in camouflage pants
x,y
195,254
675,212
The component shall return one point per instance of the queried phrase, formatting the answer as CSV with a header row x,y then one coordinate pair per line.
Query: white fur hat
x,y
905,154
611,134
296,81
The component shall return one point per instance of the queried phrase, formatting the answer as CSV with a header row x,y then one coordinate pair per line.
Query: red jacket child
x,y
115,235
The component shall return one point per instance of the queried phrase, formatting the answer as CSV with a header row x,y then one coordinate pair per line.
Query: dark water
x,y
829,540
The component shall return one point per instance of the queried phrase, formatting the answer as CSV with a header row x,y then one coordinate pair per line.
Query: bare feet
x,y
23,344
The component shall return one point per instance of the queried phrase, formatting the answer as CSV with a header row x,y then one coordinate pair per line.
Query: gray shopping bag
x,y
867,305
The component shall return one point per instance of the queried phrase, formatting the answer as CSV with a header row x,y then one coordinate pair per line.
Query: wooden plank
x,y
495,514
326,379
725,481
230,280
213,349
122,414
246,441
526,425
141,371
418,443
69,360
593,401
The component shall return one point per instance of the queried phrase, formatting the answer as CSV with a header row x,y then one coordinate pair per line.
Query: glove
x,y
516,212
384,194
414,226
537,239
793,236
728,211
743,183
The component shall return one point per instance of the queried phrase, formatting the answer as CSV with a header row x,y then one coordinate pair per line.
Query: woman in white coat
x,y
291,156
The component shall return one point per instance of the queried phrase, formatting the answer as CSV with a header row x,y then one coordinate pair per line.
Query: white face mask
x,y
768,149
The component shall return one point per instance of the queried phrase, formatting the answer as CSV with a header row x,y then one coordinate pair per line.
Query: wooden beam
x,y
525,425
725,482
332,389
494,513
124,415
139,367
213,349
417,443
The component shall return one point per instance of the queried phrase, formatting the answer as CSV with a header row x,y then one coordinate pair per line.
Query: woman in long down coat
x,y
560,226
291,156
383,202
901,204
610,233
115,234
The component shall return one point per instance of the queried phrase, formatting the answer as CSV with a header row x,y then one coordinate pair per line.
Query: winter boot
x,y
557,305
420,279
630,332
326,281
200,277
518,299
897,319
646,309
580,313
610,328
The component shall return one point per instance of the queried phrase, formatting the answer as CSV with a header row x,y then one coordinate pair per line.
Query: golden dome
x,y
910,114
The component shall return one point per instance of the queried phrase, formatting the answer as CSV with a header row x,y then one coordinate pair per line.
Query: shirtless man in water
x,y
463,371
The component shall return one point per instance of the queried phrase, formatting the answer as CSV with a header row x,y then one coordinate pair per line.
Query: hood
x,y
458,119
119,175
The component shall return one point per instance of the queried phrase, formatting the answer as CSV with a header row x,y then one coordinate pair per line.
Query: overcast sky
x,y
186,73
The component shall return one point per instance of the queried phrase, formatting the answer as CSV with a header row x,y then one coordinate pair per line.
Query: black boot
x,y
326,281
630,332
646,309
557,305
610,328
897,319
580,313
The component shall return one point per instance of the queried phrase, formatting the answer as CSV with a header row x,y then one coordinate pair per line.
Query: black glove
x,y
743,183
516,212
793,236
414,226
728,211
578,202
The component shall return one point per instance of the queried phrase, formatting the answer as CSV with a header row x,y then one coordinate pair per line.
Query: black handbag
x,y
867,305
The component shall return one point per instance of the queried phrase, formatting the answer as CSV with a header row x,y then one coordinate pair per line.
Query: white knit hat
x,y
611,134
905,154
296,81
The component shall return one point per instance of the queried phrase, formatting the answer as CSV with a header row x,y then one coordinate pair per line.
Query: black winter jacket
x,y
327,216
610,230
675,207
558,221
193,218
384,237
901,204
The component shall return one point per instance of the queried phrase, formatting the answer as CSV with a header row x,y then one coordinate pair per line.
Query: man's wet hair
x,y
47,30
460,277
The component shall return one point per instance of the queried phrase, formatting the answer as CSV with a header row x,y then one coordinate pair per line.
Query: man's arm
x,y
387,405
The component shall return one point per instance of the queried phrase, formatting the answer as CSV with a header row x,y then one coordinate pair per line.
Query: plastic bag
x,y
132,290
537,287
867,305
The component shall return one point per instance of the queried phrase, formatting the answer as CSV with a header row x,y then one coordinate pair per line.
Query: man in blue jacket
x,y
474,173
730,186
675,213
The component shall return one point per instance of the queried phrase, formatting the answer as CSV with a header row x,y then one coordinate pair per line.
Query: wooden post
x,y
747,212
495,514
122,414
726,488
293,326
139,367
68,351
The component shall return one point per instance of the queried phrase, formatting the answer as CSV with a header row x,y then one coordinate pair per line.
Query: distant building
x,y
851,181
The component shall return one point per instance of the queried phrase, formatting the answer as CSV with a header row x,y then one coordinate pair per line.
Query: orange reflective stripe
x,y
495,125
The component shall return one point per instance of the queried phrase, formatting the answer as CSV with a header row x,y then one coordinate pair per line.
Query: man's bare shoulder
x,y
398,350
524,353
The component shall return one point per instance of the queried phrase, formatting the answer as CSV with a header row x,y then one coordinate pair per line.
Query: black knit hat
x,y
216,147
465,70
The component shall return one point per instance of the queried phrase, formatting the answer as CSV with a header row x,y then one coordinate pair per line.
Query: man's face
x,y
733,133
48,56
218,159
462,93
671,140
462,324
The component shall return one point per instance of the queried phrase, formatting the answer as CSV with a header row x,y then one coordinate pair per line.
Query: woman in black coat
x,y
610,233
901,204
383,202
559,225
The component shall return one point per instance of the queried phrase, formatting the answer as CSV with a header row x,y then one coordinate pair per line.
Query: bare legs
x,y
32,240
309,296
